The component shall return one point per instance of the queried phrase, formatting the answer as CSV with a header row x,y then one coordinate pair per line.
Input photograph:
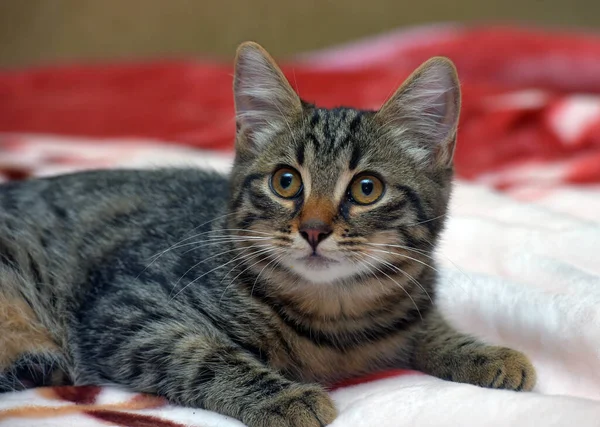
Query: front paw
x,y
300,405
497,367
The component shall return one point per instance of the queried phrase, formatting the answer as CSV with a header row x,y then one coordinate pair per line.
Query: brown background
x,y
43,31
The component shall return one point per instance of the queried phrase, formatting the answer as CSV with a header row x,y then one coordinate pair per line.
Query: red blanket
x,y
515,82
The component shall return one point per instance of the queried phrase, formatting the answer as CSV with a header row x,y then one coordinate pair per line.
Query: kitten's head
x,y
332,195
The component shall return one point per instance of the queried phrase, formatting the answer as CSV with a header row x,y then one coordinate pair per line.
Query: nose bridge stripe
x,y
318,209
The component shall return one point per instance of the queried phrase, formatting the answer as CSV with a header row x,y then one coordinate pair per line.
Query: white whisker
x,y
159,254
407,257
208,272
219,230
398,284
408,275
427,220
243,271
408,248
422,253
219,240
263,269
212,257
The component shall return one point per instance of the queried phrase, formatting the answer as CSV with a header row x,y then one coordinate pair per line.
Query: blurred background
x,y
47,31
100,83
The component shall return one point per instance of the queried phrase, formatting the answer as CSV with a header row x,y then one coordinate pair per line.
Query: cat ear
x,y
423,113
264,100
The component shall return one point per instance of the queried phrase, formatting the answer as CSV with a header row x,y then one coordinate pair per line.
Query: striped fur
x,y
200,288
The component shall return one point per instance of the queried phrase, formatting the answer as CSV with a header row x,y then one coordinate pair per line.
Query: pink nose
x,y
314,232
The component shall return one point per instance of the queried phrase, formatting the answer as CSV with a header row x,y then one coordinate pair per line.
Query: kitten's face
x,y
335,195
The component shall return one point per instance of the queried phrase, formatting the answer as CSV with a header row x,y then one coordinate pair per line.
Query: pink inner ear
x,y
436,91
423,113
429,98
263,97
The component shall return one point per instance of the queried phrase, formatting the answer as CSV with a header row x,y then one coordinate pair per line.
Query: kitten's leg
x,y
34,370
445,353
29,356
207,371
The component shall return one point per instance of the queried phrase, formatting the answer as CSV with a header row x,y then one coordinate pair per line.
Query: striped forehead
x,y
330,145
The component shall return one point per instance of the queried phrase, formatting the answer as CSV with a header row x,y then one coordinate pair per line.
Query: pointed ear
x,y
264,100
423,113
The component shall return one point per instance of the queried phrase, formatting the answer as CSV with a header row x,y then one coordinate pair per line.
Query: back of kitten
x,y
55,231
311,263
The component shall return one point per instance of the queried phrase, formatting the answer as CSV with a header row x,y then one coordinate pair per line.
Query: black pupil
x,y
286,180
367,187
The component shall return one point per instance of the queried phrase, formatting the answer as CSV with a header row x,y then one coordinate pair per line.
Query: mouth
x,y
317,261
320,269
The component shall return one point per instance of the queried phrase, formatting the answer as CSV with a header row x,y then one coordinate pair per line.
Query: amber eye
x,y
286,183
366,189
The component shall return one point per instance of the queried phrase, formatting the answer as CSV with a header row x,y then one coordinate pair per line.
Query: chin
x,y
321,269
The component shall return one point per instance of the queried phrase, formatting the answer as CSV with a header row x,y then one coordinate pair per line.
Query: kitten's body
x,y
95,274
188,284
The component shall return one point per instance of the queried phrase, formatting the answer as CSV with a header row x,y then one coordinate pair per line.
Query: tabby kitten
x,y
310,264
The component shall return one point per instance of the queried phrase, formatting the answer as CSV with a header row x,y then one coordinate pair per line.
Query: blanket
x,y
518,261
